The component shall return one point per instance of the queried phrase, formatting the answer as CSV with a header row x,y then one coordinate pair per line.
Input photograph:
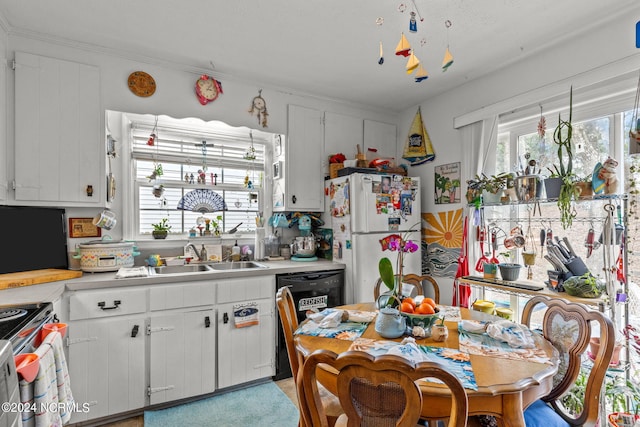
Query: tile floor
x,y
287,386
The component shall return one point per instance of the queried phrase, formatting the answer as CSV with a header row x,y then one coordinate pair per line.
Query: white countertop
x,y
52,291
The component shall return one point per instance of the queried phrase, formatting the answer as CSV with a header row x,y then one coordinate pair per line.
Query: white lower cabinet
x,y
133,347
182,359
107,365
246,353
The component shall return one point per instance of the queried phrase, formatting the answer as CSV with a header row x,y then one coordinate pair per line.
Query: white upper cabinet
x,y
59,144
383,137
342,134
298,183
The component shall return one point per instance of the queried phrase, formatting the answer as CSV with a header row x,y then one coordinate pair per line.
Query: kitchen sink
x,y
236,265
180,269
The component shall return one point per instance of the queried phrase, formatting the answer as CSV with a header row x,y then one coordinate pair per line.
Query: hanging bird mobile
x,y
259,107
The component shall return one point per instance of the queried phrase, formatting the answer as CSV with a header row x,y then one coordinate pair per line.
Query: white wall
x,y
602,52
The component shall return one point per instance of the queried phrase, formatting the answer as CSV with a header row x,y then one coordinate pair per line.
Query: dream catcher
x,y
259,108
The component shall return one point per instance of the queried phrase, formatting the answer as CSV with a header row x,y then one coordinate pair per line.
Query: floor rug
x,y
262,405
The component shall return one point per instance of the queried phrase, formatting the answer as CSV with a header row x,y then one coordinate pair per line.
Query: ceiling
x,y
326,48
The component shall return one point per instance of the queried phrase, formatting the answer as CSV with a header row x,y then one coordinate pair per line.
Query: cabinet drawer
x,y
96,304
192,294
247,288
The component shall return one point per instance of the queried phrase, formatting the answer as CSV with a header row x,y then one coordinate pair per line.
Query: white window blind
x,y
232,165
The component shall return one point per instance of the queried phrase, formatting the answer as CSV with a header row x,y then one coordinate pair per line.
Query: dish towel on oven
x,y
49,395
246,314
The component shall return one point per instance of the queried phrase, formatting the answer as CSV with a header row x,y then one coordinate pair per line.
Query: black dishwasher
x,y
310,290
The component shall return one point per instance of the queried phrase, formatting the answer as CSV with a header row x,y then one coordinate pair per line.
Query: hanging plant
x,y
562,137
157,172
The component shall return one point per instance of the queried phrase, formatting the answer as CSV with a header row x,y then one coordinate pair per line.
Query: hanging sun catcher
x,y
259,107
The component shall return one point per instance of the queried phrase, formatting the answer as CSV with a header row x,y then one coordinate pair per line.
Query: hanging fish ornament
x,y
403,48
421,74
412,63
447,61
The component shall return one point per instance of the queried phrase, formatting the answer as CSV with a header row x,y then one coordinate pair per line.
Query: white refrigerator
x,y
364,209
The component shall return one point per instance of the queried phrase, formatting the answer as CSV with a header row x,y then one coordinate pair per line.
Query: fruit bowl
x,y
425,321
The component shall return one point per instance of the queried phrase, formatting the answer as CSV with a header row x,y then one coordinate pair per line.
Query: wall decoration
x,y
141,84
83,227
443,236
207,89
447,183
259,107
418,148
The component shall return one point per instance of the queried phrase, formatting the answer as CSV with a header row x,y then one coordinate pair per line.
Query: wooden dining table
x,y
505,387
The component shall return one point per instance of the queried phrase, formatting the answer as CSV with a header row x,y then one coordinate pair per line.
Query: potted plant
x,y
584,186
491,188
161,229
568,191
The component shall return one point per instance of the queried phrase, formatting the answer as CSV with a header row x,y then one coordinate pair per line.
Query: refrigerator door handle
x,y
366,188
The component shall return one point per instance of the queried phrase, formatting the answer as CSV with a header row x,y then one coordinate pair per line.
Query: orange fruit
x,y
410,301
429,301
406,307
424,308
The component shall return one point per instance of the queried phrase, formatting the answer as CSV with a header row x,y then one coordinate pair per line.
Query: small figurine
x,y
604,177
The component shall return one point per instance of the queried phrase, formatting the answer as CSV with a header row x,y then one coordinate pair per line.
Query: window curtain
x,y
479,142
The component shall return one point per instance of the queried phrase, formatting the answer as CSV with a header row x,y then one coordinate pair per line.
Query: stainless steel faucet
x,y
195,251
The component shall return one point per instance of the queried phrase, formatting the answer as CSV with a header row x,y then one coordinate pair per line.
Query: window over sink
x,y
169,158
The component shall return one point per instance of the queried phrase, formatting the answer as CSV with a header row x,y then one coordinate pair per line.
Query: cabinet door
x,y
182,361
248,353
382,137
302,169
341,135
107,365
59,149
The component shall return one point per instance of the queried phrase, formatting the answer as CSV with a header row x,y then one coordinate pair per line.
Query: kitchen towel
x,y
246,314
127,272
49,395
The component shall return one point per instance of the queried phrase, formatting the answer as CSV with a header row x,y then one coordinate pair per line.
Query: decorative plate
x,y
203,201
142,84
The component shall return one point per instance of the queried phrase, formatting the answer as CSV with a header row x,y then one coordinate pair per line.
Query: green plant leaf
x,y
386,273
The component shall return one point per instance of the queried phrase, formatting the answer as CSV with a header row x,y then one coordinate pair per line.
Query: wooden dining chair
x,y
289,321
568,326
410,289
378,391
426,282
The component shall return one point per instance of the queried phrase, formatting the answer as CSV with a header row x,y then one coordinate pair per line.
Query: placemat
x,y
455,362
484,345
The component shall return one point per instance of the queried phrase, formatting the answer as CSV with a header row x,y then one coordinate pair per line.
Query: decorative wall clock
x,y
141,84
207,89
